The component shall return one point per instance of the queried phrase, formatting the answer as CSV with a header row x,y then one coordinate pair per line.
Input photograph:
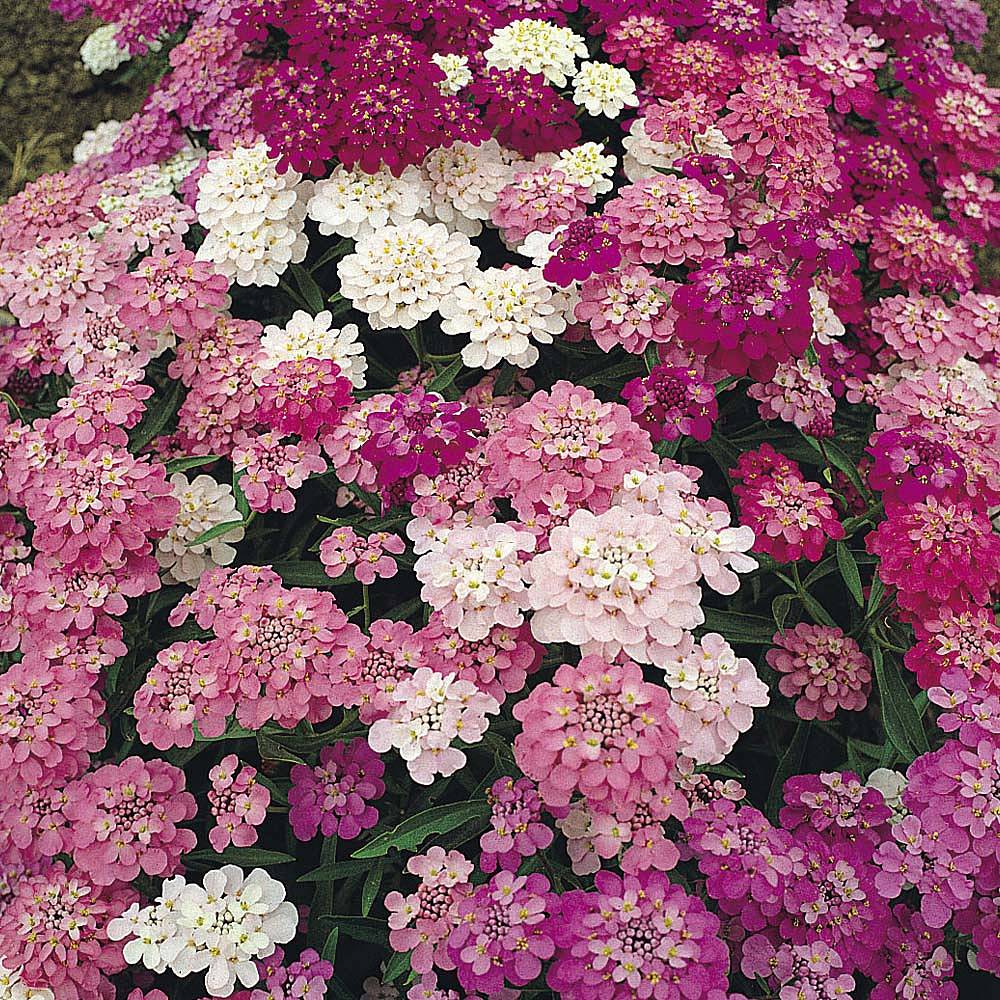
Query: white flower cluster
x,y
464,181
100,53
352,203
505,312
253,214
456,71
826,323
537,47
218,928
604,89
401,274
12,987
305,336
97,141
205,504
587,165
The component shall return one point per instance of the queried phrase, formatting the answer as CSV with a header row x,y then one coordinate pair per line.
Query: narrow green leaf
x,y
299,573
441,381
505,379
358,928
780,607
156,419
329,952
335,871
245,857
273,750
849,571
651,356
219,529
789,764
875,594
345,246
310,291
412,832
899,715
191,462
738,627
373,882
241,499
398,967
815,609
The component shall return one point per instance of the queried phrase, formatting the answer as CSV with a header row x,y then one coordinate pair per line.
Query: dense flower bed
x,y
497,503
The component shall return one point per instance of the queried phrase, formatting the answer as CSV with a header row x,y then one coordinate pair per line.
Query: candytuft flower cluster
x,y
500,499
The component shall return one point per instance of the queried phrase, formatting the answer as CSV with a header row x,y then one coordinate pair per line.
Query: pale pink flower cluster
x,y
799,394
430,711
613,582
713,694
239,803
477,578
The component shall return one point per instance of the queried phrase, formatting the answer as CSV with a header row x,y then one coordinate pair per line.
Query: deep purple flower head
x,y
672,401
913,463
586,246
335,796
745,314
420,433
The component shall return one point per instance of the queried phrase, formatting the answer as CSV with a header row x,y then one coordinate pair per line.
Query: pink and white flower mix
x,y
500,500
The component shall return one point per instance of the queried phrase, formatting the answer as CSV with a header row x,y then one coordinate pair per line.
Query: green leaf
x,y
738,627
273,750
156,419
310,291
849,571
345,246
329,952
875,594
505,379
244,857
241,498
815,609
219,529
398,967
443,379
373,882
335,871
899,715
651,356
412,832
359,928
780,607
789,764
191,462
303,574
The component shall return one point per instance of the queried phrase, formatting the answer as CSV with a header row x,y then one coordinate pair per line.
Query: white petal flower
x,y
306,336
400,275
604,89
645,157
253,214
505,313
205,504
97,141
353,203
100,53
537,47
826,323
589,166
464,182
456,70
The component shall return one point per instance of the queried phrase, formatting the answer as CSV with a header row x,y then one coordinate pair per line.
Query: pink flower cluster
x,y
791,517
335,796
